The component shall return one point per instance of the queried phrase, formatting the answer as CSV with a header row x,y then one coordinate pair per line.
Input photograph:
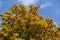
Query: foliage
x,y
21,23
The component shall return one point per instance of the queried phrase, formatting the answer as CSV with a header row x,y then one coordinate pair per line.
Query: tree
x,y
22,24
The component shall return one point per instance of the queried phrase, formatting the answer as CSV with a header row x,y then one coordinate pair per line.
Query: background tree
x,y
22,24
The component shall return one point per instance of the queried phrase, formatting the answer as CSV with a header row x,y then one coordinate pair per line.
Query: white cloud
x,y
26,2
45,5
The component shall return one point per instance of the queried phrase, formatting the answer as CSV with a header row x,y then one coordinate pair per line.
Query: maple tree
x,y
21,23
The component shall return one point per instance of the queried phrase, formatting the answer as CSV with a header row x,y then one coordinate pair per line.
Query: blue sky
x,y
48,8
